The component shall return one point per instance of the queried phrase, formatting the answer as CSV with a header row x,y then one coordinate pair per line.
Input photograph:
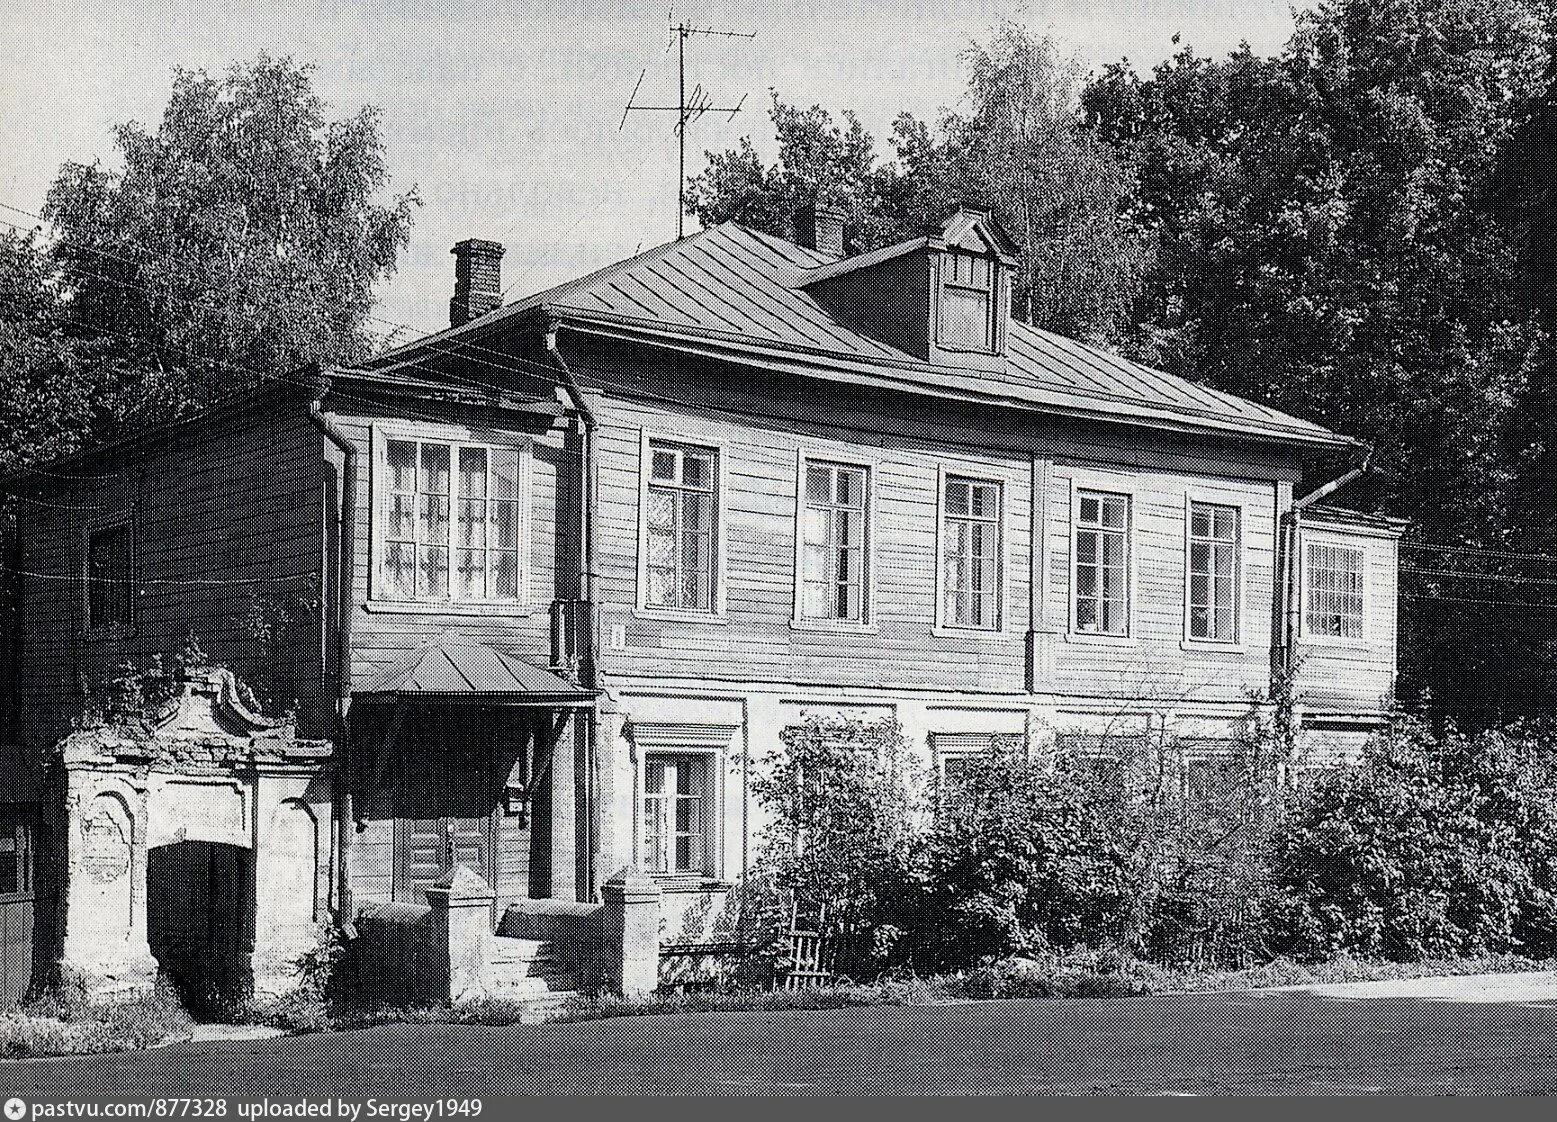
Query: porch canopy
x,y
453,670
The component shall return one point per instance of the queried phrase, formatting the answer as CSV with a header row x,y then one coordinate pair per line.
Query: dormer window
x,y
967,302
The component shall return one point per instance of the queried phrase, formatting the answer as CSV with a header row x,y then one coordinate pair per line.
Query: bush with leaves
x,y
841,798
1023,857
1430,848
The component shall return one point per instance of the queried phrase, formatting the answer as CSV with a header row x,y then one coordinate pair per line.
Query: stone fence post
x,y
461,902
630,950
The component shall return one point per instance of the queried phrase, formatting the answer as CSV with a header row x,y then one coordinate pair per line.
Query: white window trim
x,y
1116,485
721,449
798,620
1310,536
127,520
382,433
1002,563
1241,584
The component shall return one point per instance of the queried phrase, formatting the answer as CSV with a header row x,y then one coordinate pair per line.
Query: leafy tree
x,y
46,389
245,233
1018,145
1322,239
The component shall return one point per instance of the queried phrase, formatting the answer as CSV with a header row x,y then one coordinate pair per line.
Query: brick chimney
x,y
478,280
820,227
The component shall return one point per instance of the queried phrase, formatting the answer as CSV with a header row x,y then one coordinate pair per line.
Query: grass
x,y
63,1023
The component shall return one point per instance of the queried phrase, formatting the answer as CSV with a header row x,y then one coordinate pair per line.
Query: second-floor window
x,y
1332,591
451,521
970,553
109,576
681,538
834,547
1102,598
1213,572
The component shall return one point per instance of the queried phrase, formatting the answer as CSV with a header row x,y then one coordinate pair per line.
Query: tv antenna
x,y
687,109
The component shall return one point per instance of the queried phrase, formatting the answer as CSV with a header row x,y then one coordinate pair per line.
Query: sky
x,y
505,116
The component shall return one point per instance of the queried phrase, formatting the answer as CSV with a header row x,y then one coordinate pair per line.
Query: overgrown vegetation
x,y
63,1022
1182,855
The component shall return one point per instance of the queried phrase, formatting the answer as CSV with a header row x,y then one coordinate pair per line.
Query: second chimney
x,y
478,280
820,227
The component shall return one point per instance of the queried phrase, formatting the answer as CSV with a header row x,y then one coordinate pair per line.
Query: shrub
x,y
1430,848
1022,857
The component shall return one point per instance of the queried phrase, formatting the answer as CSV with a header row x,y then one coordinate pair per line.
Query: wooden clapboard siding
x,y
238,496
1157,660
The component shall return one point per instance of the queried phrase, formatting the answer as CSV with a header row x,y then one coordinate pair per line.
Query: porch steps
x,y
526,968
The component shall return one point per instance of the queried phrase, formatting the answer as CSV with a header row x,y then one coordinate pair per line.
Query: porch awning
x,y
453,670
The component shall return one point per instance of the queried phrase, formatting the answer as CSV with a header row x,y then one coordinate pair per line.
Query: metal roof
x,y
451,668
734,293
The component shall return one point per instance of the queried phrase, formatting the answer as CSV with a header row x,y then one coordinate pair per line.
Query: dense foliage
x,y
1426,848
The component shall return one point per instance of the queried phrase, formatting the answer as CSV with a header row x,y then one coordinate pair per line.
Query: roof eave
x,y
827,366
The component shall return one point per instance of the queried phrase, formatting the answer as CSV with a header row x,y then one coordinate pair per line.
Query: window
x,y
680,527
451,521
970,553
1102,596
967,301
1213,572
108,563
16,836
1104,759
834,546
677,794
1332,605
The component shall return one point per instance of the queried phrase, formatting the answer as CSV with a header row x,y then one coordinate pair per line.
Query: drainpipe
x,y
588,495
345,603
1291,521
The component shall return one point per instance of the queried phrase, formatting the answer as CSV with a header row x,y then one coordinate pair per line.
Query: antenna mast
x,y
686,110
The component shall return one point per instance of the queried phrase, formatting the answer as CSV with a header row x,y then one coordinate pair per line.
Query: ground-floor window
x,y
677,813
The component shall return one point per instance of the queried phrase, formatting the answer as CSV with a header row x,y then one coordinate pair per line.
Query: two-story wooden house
x,y
555,580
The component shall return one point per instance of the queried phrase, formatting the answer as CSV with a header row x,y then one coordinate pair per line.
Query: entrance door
x,y
443,805
17,839
200,920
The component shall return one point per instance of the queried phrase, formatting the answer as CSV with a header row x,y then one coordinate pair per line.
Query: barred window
x,y
1213,572
1332,601
109,577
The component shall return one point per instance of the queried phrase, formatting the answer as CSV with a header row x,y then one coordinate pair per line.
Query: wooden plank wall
x,y
236,501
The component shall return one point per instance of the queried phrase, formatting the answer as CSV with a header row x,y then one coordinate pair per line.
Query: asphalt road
x,y
1231,1043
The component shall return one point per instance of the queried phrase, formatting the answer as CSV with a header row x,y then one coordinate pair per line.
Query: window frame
x,y
1192,499
991,292
866,624
712,795
455,436
1308,539
970,474
1106,485
125,521
642,608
